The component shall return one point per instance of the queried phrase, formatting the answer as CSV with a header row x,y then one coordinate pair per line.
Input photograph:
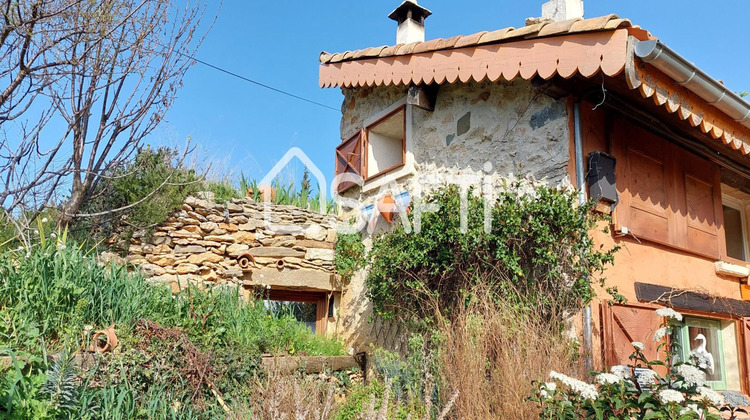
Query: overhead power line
x,y
263,85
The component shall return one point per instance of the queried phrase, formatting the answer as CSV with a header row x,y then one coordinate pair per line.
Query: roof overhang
x,y
586,54
682,89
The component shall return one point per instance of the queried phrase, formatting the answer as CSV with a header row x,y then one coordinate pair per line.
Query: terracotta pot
x,y
267,193
280,264
245,261
110,343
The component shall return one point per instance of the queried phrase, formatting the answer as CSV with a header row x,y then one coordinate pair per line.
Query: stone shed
x,y
281,252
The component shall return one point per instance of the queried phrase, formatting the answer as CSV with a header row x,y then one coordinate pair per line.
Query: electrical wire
x,y
263,85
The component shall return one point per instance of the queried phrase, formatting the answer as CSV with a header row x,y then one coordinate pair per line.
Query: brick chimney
x,y
410,17
561,10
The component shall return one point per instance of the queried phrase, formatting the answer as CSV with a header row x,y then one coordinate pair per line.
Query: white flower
x,y
647,376
607,378
712,396
53,235
44,220
669,313
671,396
691,374
548,389
660,333
693,408
61,246
587,391
638,345
621,371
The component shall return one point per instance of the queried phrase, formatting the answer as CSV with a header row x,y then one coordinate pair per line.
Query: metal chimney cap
x,y
409,10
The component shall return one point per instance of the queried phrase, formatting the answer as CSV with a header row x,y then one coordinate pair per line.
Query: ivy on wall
x,y
538,253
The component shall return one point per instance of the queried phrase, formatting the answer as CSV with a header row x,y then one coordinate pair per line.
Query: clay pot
x,y
245,261
103,341
267,193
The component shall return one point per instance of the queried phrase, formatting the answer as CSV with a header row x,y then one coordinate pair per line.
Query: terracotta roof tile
x,y
469,40
538,30
493,36
557,28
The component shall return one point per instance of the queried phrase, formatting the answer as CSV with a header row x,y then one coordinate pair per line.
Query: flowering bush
x,y
635,391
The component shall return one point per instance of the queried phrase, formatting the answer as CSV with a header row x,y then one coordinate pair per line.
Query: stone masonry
x,y
201,244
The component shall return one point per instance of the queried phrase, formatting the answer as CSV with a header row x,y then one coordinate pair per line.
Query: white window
x,y
386,144
735,227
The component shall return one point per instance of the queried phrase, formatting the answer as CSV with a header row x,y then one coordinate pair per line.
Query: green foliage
x,y
223,191
635,390
154,176
744,94
49,295
60,384
350,254
538,250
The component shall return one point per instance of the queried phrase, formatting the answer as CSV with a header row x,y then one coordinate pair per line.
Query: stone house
x,y
599,103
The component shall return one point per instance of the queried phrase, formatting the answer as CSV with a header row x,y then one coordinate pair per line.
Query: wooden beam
x,y
689,300
423,96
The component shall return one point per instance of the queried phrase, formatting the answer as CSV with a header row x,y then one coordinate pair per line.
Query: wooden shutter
x,y
624,324
349,158
745,334
700,205
667,194
644,182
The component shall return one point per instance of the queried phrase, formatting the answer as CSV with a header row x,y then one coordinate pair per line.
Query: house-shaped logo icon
x,y
274,172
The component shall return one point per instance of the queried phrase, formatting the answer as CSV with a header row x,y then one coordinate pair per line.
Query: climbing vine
x,y
538,253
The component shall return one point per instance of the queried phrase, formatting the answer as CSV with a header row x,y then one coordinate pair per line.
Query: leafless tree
x,y
107,77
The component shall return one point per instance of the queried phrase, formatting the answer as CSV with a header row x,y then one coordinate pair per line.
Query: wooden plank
x,y
689,300
313,364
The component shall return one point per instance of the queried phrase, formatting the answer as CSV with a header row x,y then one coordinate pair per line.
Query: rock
x,y
110,257
196,202
307,243
234,208
316,233
161,260
238,219
232,272
251,225
215,218
319,254
209,275
182,233
283,241
209,226
205,257
136,259
331,236
219,250
220,238
208,243
186,268
151,270
161,249
189,249
196,216
194,229
235,250
229,227
244,237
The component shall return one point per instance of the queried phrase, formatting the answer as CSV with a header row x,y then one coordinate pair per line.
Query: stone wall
x,y
201,243
518,130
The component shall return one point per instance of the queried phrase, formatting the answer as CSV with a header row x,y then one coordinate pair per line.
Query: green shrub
x,y
538,250
154,176
50,295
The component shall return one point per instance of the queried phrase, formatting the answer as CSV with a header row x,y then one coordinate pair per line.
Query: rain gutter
x,y
691,77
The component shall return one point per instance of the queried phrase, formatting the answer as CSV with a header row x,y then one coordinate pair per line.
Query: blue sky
x,y
242,127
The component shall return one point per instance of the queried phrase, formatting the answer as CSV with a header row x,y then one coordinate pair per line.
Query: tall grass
x,y
491,351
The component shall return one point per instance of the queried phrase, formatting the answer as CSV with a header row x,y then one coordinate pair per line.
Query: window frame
x,y
739,205
366,148
684,337
320,299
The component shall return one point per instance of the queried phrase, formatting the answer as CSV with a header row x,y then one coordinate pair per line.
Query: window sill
x,y
385,177
732,268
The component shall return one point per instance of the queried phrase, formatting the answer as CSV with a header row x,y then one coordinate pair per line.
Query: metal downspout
x,y
581,185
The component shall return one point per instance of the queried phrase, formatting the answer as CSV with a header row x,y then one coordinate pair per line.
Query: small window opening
x,y
734,233
386,145
331,301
